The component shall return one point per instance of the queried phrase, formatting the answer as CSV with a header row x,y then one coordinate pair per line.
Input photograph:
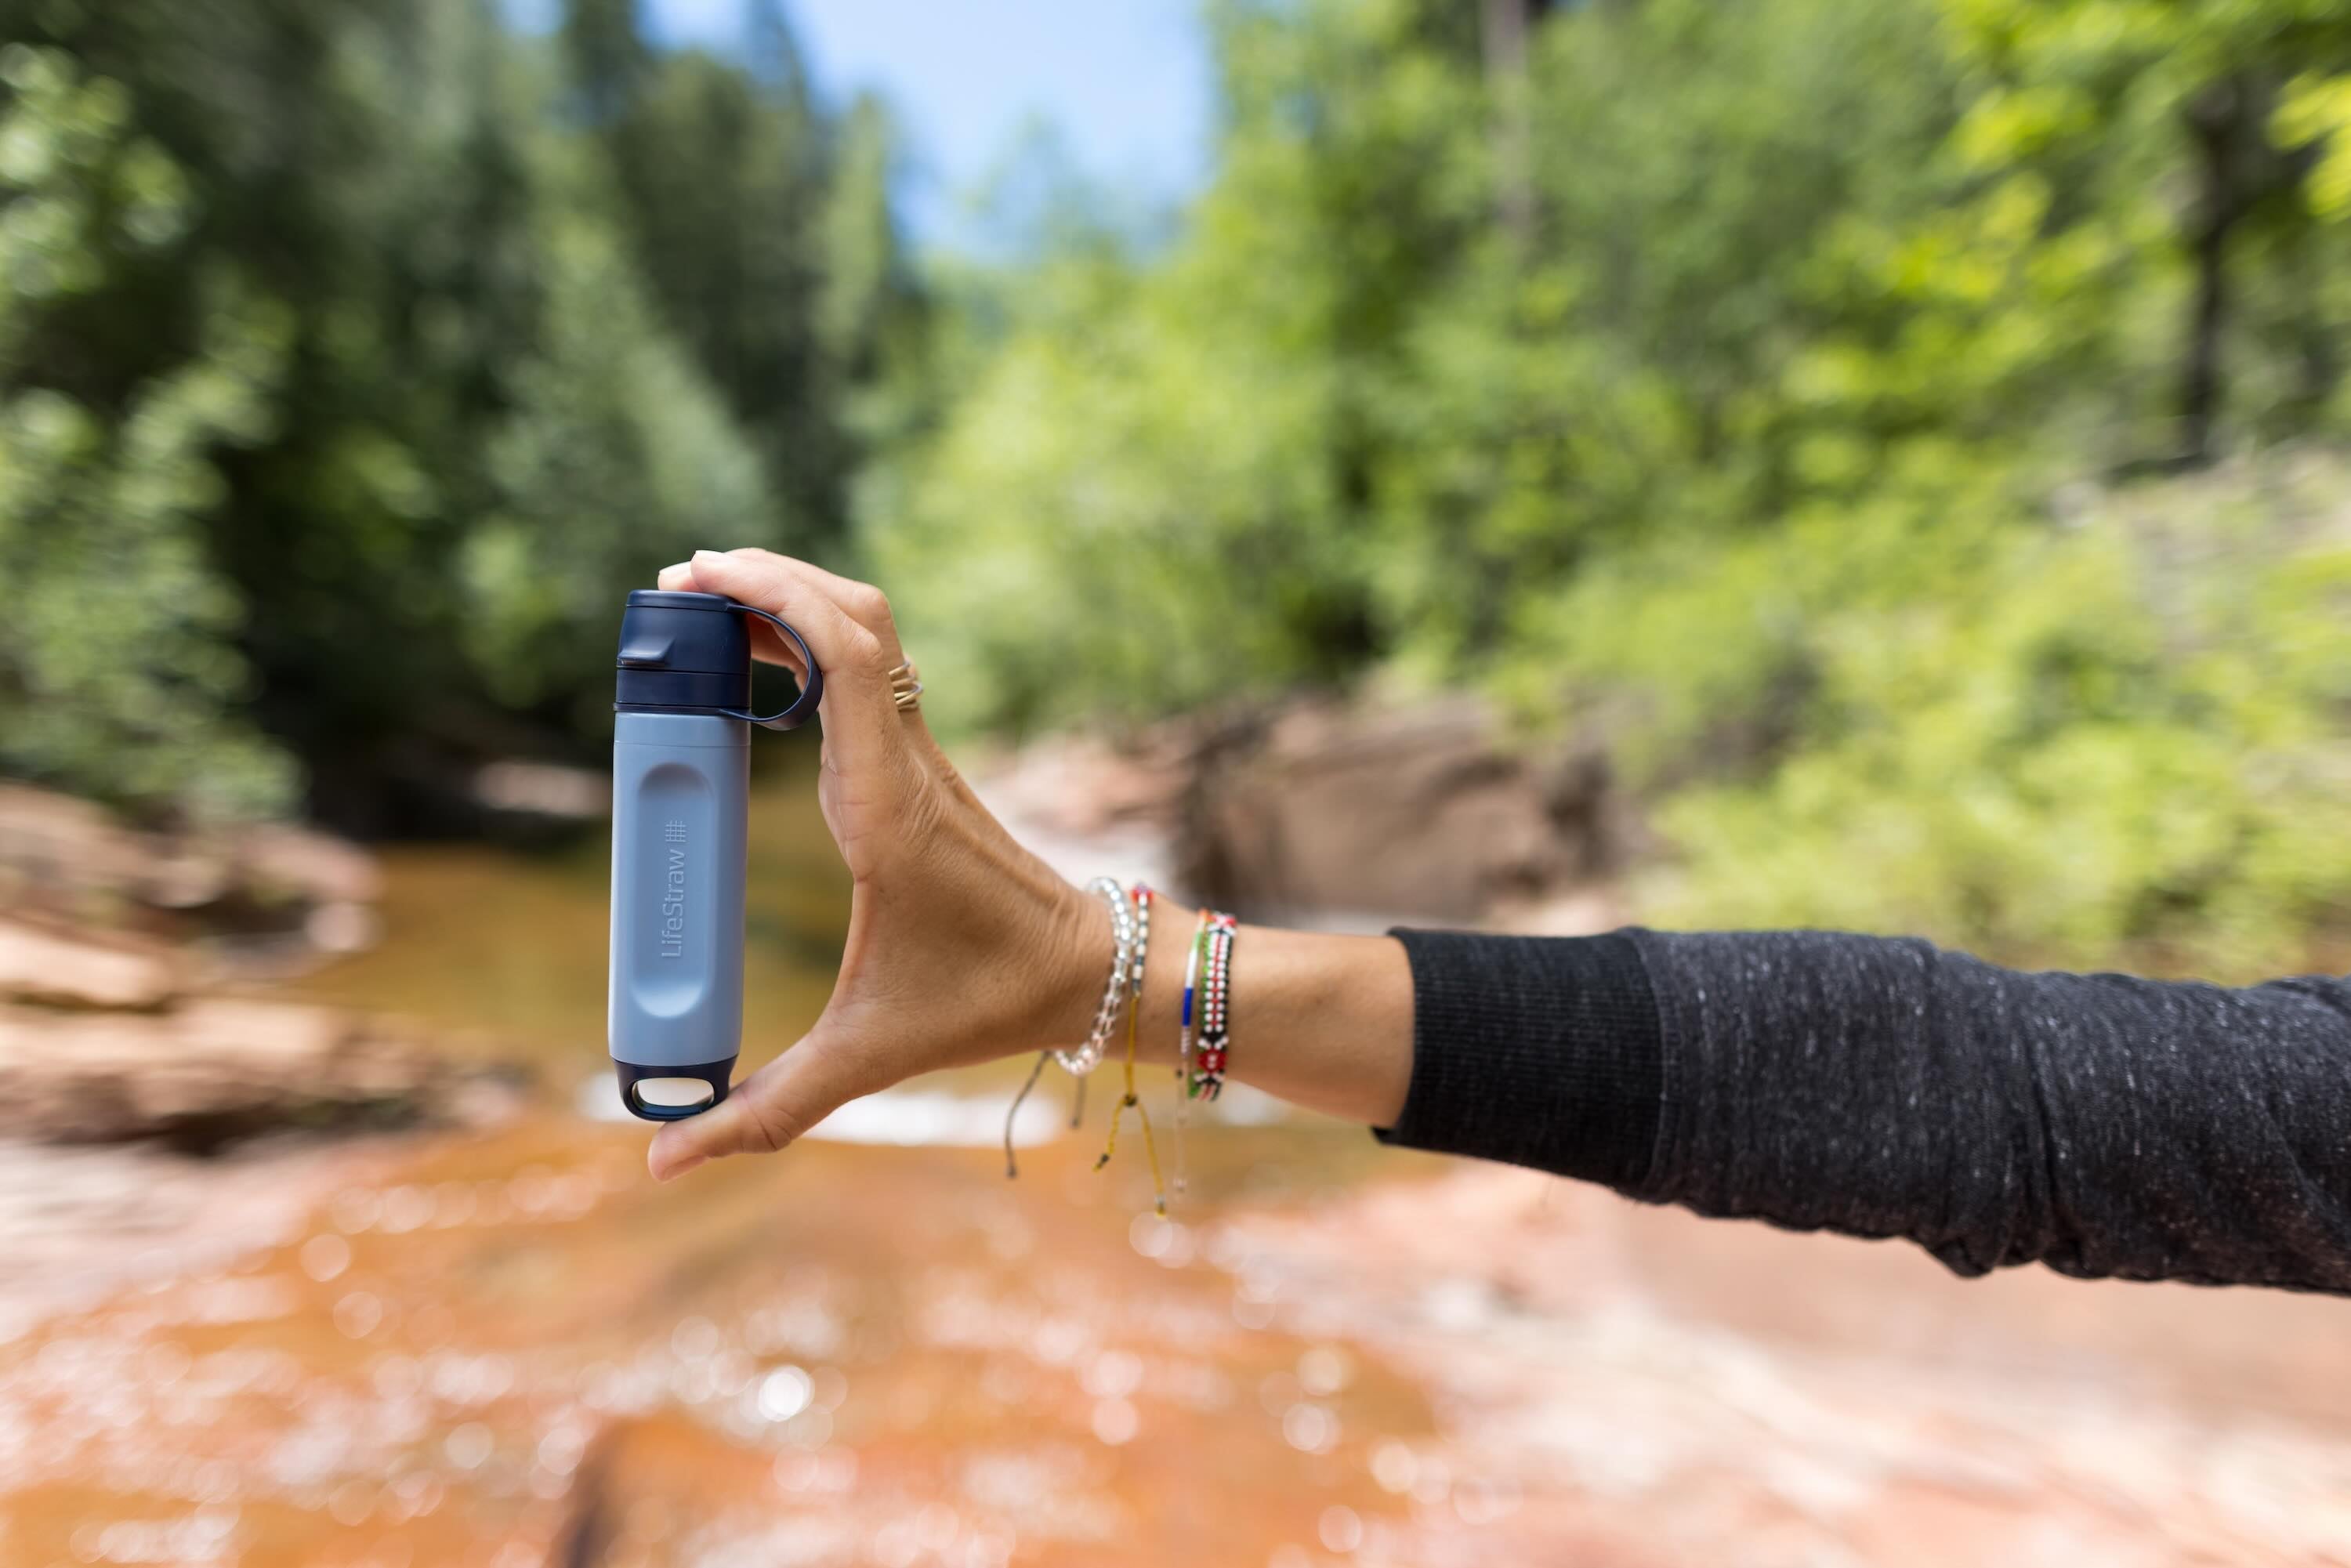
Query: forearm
x,y
2101,1125
1321,1021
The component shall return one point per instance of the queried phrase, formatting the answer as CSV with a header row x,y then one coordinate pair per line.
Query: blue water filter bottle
x,y
680,776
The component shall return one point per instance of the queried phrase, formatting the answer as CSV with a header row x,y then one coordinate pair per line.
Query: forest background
x,y
1908,434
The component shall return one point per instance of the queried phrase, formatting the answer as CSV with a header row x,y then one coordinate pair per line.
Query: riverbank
x,y
496,1343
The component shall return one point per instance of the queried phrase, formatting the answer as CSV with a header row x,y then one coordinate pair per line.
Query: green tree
x,y
616,459
340,306
117,675
1748,384
762,229
2112,107
1168,463
351,169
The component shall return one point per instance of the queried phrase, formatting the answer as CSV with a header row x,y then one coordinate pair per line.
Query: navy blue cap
x,y
691,652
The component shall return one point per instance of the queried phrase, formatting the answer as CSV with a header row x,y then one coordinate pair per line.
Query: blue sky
x,y
1126,82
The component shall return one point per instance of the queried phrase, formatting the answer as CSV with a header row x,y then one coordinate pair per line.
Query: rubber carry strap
x,y
803,707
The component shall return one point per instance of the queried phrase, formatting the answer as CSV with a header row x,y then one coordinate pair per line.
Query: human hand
x,y
963,946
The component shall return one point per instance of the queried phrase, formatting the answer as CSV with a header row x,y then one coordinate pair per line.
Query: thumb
x,y
770,1109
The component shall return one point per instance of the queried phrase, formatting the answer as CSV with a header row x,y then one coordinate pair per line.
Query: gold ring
x,y
905,688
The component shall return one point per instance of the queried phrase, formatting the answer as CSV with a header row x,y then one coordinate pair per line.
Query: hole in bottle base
x,y
672,1093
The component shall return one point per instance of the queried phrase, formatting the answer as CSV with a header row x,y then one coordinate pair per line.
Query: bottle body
x,y
680,797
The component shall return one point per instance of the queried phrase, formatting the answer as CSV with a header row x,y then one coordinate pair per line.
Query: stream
x,y
508,1347
511,1347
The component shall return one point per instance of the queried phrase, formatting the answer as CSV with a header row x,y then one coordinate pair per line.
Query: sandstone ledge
x,y
215,1069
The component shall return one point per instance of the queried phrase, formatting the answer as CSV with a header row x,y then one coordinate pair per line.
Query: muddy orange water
x,y
510,1348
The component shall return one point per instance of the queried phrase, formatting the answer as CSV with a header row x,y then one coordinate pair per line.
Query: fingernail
x,y
701,556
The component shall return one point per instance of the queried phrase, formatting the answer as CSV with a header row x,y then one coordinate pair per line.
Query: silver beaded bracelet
x,y
1084,1058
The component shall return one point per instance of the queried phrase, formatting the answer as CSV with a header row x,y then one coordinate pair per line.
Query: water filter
x,y
681,776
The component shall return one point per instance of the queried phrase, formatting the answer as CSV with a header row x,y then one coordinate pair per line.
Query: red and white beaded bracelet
x,y
1206,1078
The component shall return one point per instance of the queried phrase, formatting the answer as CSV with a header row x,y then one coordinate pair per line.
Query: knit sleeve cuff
x,y
1538,1051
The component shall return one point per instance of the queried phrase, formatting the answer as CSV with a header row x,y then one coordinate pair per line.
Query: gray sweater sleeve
x,y
2104,1125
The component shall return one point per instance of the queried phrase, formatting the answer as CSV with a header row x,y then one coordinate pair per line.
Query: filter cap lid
x,y
703,634
691,652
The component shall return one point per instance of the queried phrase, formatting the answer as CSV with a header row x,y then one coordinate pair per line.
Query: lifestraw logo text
x,y
672,904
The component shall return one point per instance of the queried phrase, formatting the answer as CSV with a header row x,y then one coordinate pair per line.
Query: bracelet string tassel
x,y
1011,1164
1080,1060
1130,1099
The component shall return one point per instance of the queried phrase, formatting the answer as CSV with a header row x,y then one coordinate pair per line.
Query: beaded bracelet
x,y
1205,1077
1184,1047
1080,1060
1142,897
1085,1057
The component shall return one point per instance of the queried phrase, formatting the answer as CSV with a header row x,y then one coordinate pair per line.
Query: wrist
x,y
1075,951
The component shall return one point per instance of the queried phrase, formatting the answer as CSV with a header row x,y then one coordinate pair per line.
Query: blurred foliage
x,y
357,357
1900,428
98,517
2115,734
1905,431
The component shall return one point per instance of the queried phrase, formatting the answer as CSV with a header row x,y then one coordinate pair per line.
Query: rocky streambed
x,y
401,1312
199,1072
106,1038
163,1109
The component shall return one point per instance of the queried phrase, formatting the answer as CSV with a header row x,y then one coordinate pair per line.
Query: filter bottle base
x,y
671,1093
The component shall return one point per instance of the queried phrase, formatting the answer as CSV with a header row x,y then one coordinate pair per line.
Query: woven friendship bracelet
x,y
1184,1047
1191,990
1206,1078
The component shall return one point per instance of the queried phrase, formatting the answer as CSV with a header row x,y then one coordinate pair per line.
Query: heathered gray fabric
x,y
2102,1124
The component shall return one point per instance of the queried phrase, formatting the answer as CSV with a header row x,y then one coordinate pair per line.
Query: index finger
x,y
768,646
857,705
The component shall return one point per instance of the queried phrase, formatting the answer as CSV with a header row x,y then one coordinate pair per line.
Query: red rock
x,y
217,1069
62,966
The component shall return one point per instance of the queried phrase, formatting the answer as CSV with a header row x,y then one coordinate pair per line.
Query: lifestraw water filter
x,y
681,775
